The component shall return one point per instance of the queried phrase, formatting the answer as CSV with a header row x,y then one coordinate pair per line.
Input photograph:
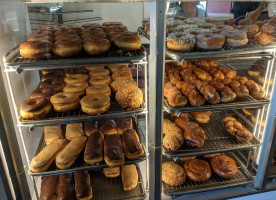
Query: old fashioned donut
x,y
120,84
198,170
121,75
97,72
235,38
100,88
78,88
224,166
42,92
65,101
55,84
127,43
35,49
181,42
75,78
95,104
67,48
35,108
268,29
173,174
100,79
210,41
96,46
129,97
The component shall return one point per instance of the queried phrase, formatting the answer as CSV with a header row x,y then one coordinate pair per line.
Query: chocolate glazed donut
x,y
224,166
198,170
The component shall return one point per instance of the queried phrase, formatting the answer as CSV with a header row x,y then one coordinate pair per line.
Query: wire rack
x,y
143,32
224,52
217,139
215,182
14,61
79,164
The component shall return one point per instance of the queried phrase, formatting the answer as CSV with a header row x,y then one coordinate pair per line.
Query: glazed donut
x,y
224,166
100,88
101,79
121,75
44,33
95,104
235,38
91,25
127,43
118,85
129,97
35,108
73,71
96,46
92,30
65,101
67,37
88,35
78,88
51,75
180,42
92,68
49,28
113,35
253,28
67,48
267,28
55,71
173,174
210,41
74,27
35,49
118,68
42,92
65,32
40,38
198,170
75,78
97,72
55,84
112,23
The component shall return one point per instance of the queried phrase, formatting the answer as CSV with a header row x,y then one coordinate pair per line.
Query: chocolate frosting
x,y
91,127
124,124
113,147
82,185
34,104
48,187
107,125
65,187
130,140
93,145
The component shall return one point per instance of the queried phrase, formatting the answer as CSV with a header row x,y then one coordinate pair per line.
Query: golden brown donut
x,y
116,28
100,88
173,174
128,43
111,23
67,48
55,71
48,28
111,172
181,42
95,104
121,75
75,78
224,166
130,98
267,28
108,127
42,92
235,38
40,38
92,68
64,32
35,49
74,27
78,88
210,41
51,75
86,25
97,72
44,33
96,46
73,71
35,108
118,85
101,79
67,37
88,35
202,117
116,68
198,170
65,101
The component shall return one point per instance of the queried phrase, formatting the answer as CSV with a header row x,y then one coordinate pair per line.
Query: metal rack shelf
x,y
248,49
218,139
243,177
142,31
79,164
15,62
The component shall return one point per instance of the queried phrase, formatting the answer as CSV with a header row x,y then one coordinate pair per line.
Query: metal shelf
x,y
79,164
197,54
218,139
243,177
15,62
142,31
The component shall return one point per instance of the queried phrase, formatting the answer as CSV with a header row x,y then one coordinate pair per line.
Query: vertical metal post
x,y
156,70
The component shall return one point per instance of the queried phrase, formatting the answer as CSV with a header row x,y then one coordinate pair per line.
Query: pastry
x,y
113,151
123,125
198,170
93,152
90,127
186,158
51,133
173,174
224,166
129,98
65,187
83,188
108,127
202,117
73,130
95,104
131,145
65,101
35,108
129,177
48,188
111,172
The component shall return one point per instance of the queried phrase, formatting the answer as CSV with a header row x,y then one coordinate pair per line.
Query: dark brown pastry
x,y
65,187
108,127
93,152
48,188
123,125
202,117
113,151
131,144
198,170
186,158
224,166
90,127
83,187
211,155
42,92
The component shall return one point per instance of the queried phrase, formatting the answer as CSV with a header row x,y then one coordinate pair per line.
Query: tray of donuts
x,y
199,133
110,183
194,34
204,84
91,145
93,93
202,173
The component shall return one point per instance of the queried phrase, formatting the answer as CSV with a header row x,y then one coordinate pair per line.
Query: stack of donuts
x,y
198,169
199,81
70,39
89,87
97,139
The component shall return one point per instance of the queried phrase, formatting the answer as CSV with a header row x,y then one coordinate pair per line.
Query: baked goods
x,y
92,68
75,78
73,130
96,46
65,101
255,89
42,161
173,174
129,177
65,187
267,28
113,151
99,88
198,170
240,90
202,117
35,49
55,84
51,133
121,75
74,71
118,68
95,104
210,41
51,75
127,43
48,188
211,155
93,152
99,71
123,125
108,127
83,186
111,172
101,79
235,38
35,108
78,88
90,127
69,154
224,166
186,158
129,98
40,38
131,145
180,42
175,97
67,48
